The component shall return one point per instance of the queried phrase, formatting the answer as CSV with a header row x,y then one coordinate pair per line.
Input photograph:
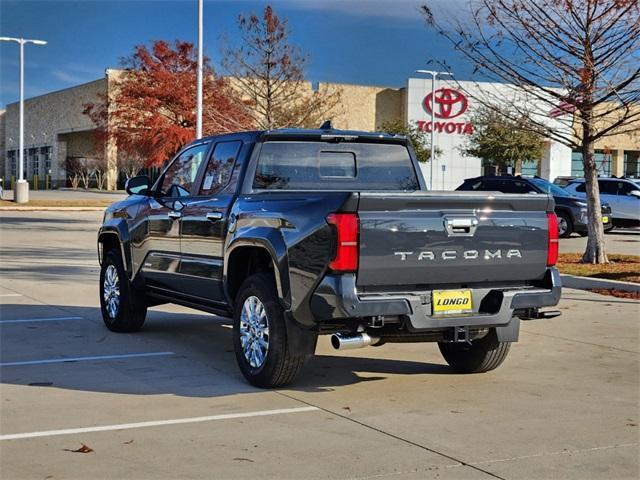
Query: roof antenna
x,y
326,125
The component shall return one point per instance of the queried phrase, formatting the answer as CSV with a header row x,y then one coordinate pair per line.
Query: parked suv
x,y
296,233
621,193
571,210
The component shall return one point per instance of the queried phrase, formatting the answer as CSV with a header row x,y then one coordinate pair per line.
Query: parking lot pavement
x,y
622,240
169,402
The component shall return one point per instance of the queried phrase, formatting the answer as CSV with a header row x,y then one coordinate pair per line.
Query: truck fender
x,y
269,239
116,230
299,337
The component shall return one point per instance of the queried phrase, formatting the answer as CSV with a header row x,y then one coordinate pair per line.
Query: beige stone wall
x,y
49,116
362,107
366,108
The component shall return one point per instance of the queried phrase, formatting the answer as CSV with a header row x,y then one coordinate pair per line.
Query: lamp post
x,y
21,193
434,75
199,74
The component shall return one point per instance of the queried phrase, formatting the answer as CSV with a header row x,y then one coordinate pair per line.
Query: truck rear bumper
x,y
337,298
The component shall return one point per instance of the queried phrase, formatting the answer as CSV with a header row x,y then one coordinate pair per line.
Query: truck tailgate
x,y
451,238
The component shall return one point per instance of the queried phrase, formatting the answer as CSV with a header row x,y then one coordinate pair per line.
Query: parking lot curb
x,y
52,209
588,283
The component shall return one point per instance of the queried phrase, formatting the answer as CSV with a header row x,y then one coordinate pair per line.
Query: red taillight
x,y
346,258
552,244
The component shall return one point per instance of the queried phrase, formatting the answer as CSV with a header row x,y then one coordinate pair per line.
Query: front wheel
x,y
483,355
260,335
124,309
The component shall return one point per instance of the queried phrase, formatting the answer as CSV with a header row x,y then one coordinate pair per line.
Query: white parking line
x,y
86,359
49,319
157,423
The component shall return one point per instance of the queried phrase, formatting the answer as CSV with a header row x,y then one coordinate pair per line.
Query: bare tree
x,y
72,166
100,169
578,60
130,164
269,73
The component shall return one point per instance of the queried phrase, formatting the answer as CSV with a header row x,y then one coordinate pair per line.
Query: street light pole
x,y
434,75
199,74
21,193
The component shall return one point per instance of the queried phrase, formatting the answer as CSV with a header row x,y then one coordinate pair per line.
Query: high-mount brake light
x,y
346,227
553,242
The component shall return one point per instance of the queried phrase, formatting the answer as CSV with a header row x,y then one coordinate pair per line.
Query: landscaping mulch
x,y
624,268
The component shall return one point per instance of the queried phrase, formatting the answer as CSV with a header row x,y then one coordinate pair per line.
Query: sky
x,y
369,42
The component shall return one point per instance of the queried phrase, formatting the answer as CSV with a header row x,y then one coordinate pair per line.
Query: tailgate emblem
x,y
460,226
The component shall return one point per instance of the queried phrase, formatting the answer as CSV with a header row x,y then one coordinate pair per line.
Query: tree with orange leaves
x,y
149,111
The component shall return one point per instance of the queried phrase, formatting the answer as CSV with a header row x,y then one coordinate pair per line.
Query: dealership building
x,y
57,131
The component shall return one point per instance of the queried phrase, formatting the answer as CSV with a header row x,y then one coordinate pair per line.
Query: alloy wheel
x,y
254,331
111,291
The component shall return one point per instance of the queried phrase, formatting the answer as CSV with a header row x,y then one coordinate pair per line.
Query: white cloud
x,y
394,9
75,73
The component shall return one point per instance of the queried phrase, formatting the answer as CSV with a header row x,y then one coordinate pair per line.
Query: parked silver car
x,y
622,194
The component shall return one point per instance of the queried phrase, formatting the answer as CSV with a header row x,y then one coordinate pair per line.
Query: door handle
x,y
214,216
174,215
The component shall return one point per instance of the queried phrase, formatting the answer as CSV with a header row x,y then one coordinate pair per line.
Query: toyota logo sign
x,y
450,103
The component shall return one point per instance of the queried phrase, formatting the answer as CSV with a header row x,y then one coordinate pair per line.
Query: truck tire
x,y
483,355
260,342
565,225
124,309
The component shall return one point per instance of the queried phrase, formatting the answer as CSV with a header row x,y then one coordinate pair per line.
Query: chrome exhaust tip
x,y
341,341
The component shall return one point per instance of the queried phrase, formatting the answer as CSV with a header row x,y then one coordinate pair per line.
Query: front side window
x,y
308,165
625,188
179,177
219,168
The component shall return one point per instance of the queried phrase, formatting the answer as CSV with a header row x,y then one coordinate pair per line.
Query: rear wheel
x,y
483,355
260,335
565,225
123,308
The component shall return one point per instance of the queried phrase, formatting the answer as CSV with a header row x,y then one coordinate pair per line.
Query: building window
x,y
632,163
603,163
34,160
531,168
45,155
11,155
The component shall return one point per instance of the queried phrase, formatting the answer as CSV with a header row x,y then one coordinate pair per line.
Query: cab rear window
x,y
288,165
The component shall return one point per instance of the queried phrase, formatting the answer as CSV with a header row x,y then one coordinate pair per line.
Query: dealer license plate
x,y
448,302
605,219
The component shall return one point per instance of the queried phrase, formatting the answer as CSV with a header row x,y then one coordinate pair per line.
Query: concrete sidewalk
x,y
71,194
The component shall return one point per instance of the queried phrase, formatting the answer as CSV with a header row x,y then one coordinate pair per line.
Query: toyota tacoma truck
x,y
297,233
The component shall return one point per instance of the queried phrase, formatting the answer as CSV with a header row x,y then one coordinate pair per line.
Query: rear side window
x,y
581,187
607,187
469,185
219,168
288,165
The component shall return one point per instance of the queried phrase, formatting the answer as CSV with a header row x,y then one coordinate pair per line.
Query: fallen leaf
x,y
348,409
128,443
83,449
242,459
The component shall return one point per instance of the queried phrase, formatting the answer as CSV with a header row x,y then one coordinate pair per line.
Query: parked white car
x,y
622,194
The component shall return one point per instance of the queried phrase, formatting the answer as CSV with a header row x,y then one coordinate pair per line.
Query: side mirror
x,y
635,193
140,185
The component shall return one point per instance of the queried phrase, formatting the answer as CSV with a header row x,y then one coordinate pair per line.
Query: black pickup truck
x,y
297,233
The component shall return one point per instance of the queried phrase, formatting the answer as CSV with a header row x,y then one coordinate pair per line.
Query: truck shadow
x,y
202,362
